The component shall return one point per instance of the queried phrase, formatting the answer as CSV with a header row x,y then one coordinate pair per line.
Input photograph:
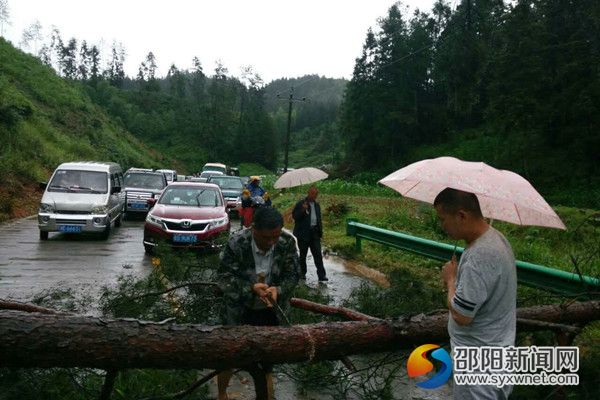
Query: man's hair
x,y
267,218
452,200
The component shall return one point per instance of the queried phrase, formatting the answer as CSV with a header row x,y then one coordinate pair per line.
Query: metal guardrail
x,y
533,275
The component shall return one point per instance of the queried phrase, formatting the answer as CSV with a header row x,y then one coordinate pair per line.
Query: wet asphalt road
x,y
86,262
29,265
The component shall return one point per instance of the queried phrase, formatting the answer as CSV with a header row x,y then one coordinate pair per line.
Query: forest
x,y
514,84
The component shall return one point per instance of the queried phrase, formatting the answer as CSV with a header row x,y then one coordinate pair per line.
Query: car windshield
x,y
188,196
65,180
214,168
227,183
142,180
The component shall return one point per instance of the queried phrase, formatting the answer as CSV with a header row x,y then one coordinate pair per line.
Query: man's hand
x,y
272,293
263,290
260,289
449,271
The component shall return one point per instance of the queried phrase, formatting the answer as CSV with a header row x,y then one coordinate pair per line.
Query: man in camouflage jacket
x,y
237,271
266,250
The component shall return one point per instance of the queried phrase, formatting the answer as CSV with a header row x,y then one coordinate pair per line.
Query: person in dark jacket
x,y
308,230
258,266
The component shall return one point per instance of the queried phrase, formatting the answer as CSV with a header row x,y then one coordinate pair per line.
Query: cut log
x,y
42,340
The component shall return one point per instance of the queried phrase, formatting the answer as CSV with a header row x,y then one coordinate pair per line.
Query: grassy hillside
x,y
46,120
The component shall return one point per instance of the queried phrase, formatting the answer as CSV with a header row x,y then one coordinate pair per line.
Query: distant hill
x,y
46,120
315,138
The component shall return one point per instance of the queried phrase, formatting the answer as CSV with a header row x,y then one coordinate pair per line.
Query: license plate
x,y
69,228
185,238
138,205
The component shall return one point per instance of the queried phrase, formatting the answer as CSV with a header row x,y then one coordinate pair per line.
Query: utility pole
x,y
289,126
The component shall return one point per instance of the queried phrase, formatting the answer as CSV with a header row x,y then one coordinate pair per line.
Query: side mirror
x,y
42,185
151,202
115,189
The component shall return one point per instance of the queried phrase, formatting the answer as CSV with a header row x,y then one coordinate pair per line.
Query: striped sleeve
x,y
471,291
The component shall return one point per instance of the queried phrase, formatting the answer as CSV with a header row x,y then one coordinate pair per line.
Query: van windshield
x,y
66,180
145,180
214,168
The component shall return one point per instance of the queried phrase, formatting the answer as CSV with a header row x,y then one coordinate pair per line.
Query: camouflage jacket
x,y
237,273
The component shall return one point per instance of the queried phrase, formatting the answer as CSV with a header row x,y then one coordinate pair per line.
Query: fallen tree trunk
x,y
42,340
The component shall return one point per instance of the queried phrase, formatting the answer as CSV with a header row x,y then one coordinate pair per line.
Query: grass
x,y
46,120
413,277
249,169
576,249
550,247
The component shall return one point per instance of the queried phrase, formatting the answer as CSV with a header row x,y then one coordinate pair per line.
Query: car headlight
x,y
99,210
46,208
154,220
217,223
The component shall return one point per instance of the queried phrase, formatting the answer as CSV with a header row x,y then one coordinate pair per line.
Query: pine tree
x,y
4,15
84,62
150,73
69,59
56,49
33,33
177,82
115,72
94,58
198,81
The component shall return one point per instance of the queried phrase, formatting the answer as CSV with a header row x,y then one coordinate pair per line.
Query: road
x,y
84,263
80,262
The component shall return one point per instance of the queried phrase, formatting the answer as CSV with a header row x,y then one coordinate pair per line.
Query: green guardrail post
x,y
351,231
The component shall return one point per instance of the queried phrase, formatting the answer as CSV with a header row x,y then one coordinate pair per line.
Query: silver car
x,y
82,197
141,185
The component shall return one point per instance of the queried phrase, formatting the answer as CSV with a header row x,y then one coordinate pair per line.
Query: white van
x,y
82,197
170,174
215,167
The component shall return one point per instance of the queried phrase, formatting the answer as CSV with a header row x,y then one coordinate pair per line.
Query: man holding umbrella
x,y
482,288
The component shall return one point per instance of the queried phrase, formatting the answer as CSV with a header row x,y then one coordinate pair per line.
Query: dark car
x,y
139,186
187,214
232,187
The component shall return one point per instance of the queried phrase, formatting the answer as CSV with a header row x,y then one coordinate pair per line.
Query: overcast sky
x,y
279,38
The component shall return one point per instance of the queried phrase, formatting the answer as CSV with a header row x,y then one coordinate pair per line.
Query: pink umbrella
x,y
503,195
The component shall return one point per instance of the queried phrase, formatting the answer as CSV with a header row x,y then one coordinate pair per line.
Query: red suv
x,y
187,214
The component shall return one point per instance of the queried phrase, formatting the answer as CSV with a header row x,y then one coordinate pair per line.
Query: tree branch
x,y
173,288
25,307
330,310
